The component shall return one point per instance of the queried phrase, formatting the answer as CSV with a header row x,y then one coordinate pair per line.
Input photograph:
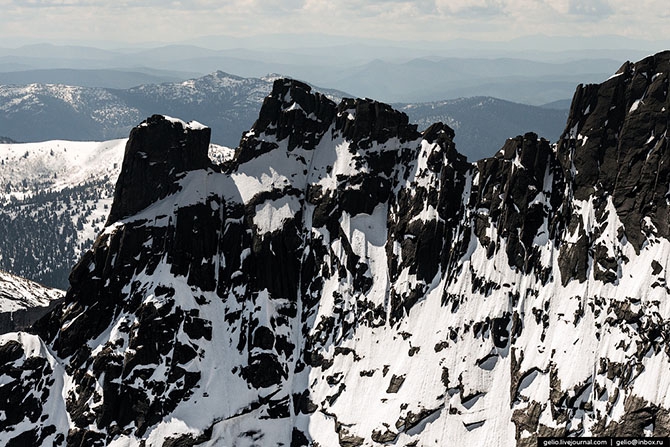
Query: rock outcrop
x,y
158,152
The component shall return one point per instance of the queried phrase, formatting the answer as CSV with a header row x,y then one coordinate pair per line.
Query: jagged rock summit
x,y
616,138
349,281
158,151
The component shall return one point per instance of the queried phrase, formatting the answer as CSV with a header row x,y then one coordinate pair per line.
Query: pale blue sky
x,y
432,20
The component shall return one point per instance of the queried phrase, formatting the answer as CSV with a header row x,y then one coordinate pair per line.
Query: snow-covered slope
x,y
349,281
19,294
55,197
23,301
55,165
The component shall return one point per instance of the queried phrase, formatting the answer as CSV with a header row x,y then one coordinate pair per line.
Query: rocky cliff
x,y
348,280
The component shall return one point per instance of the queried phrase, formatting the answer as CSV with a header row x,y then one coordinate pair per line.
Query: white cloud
x,y
172,20
481,8
594,9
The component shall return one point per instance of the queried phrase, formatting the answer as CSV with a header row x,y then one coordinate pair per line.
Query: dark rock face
x,y
344,263
304,123
512,182
158,151
616,140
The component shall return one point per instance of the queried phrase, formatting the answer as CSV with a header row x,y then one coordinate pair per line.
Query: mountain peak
x,y
290,111
615,143
159,151
366,121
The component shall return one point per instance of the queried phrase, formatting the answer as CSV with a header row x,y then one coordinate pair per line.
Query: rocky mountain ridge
x,y
347,280
33,209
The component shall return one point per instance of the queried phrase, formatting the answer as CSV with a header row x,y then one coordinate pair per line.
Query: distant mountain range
x,y
229,105
93,78
36,112
387,71
430,79
482,124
